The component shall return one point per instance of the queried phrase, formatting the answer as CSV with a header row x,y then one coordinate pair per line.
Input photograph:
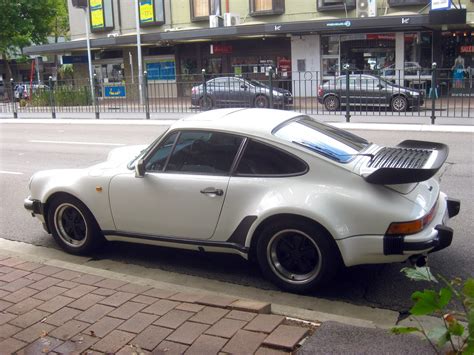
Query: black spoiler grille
x,y
400,158
410,161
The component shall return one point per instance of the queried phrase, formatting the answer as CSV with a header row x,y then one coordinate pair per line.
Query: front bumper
x,y
35,206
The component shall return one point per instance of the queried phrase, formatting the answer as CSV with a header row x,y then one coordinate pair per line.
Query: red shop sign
x,y
467,49
221,48
380,36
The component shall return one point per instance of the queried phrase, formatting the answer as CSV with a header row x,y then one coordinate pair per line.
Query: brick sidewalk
x,y
47,309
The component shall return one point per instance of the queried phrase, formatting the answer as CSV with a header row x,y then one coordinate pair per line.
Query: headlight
x,y
415,94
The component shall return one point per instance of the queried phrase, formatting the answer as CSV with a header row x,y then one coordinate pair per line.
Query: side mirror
x,y
380,86
243,86
140,169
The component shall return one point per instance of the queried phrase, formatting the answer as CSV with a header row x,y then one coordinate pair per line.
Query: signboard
x,y
97,14
147,11
73,59
467,49
161,69
339,24
115,91
220,49
440,4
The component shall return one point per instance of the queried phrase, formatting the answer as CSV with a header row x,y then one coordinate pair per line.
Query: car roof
x,y
246,121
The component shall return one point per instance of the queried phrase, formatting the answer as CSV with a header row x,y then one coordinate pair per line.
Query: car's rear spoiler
x,y
410,161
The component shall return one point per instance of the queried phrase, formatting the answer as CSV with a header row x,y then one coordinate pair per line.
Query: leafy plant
x,y
457,330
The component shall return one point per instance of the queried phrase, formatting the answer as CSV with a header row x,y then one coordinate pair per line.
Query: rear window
x,y
321,138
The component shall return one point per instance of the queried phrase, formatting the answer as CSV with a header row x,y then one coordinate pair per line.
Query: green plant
x,y
453,303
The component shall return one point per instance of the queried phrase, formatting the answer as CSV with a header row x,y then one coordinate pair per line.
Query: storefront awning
x,y
381,23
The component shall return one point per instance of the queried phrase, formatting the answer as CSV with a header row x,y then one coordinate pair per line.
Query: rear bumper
x,y
380,249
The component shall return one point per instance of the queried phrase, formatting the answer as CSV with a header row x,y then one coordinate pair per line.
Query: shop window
x,y
399,3
152,12
101,15
201,9
267,7
418,53
330,5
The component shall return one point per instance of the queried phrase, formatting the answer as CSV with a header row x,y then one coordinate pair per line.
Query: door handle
x,y
212,191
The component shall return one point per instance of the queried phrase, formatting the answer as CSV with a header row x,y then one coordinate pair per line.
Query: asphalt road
x,y
26,148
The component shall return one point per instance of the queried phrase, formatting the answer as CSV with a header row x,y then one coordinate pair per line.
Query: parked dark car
x,y
367,91
238,92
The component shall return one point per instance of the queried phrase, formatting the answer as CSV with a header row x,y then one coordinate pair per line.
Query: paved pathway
x,y
48,309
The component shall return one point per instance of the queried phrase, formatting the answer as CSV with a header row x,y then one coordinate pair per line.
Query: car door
x,y
373,93
183,189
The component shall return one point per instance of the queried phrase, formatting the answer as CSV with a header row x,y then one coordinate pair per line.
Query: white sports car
x,y
299,196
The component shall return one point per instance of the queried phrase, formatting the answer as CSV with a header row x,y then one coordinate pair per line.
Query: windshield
x,y
142,153
324,139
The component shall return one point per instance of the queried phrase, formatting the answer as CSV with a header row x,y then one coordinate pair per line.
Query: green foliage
x,y
430,302
62,96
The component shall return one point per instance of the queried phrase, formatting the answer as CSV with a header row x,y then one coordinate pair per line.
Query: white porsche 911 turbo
x,y
299,196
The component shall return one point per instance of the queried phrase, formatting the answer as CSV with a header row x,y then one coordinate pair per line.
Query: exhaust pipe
x,y
418,260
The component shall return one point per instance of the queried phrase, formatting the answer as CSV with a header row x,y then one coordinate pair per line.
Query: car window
x,y
203,152
353,84
261,159
321,138
158,160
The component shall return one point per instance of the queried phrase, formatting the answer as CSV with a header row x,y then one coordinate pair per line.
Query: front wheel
x,y
205,103
399,104
73,226
261,101
297,256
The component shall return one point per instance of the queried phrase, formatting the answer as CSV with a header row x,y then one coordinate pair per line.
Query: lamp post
x,y
139,50
82,4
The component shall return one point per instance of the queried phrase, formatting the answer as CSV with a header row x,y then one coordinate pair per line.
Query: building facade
x,y
300,39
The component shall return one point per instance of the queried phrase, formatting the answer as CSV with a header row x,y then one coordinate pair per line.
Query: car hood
x,y
119,156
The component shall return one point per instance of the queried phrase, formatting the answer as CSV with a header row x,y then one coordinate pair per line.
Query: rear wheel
x,y
297,256
73,226
261,101
205,103
399,104
331,103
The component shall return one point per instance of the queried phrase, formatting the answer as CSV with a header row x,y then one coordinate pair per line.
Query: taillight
x,y
320,91
412,227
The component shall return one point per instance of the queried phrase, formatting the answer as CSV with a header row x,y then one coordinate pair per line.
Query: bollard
x,y
96,97
51,97
433,93
147,102
12,87
270,84
348,113
204,88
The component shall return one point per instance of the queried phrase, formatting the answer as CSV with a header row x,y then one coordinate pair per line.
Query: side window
x,y
203,152
261,159
158,159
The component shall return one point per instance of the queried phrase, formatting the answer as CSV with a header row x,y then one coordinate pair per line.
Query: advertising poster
x,y
97,14
161,69
147,11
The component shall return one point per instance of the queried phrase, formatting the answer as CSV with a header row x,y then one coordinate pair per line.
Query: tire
x,y
399,103
261,102
205,103
297,256
73,226
331,103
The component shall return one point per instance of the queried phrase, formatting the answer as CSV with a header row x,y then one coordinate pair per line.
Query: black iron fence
x,y
422,92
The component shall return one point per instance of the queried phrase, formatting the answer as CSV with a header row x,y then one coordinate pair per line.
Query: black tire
x,y
399,103
297,256
261,101
332,103
205,103
73,226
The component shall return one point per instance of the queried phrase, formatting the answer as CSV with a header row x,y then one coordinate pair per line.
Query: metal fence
x,y
431,93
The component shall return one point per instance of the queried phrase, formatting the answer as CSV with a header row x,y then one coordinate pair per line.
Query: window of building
x,y
101,15
262,160
202,152
201,9
330,55
267,7
152,12
418,53
330,5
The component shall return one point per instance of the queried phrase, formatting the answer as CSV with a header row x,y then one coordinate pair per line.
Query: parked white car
x,y
299,196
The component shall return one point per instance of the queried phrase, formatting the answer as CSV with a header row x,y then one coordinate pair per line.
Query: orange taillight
x,y
412,227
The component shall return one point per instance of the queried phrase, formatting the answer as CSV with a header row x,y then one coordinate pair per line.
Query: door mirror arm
x,y
140,169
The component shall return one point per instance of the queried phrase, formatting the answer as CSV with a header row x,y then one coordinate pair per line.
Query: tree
x,y
22,23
